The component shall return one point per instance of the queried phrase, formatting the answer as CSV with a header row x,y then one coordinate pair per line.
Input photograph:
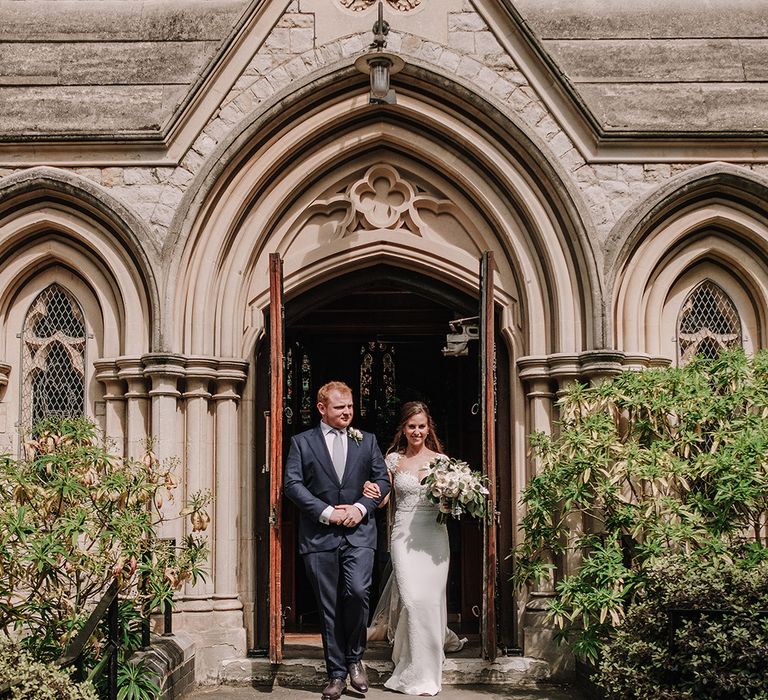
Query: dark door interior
x,y
385,340
382,331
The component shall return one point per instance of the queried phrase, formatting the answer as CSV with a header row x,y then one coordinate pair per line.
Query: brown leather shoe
x,y
334,689
358,677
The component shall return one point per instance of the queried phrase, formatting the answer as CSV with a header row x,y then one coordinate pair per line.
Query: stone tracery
x,y
399,5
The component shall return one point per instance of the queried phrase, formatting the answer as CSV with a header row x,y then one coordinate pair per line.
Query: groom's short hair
x,y
325,391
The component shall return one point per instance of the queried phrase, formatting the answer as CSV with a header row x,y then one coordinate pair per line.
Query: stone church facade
x,y
153,156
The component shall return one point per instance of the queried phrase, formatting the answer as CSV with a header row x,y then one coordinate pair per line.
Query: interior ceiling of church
x,y
637,65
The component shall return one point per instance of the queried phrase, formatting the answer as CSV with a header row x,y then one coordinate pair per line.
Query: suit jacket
x,y
310,481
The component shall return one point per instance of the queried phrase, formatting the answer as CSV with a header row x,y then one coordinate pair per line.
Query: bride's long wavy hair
x,y
410,409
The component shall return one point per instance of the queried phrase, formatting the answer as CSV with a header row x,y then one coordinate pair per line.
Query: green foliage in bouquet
x,y
456,489
72,519
653,463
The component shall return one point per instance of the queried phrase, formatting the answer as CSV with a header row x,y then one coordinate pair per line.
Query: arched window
x,y
708,322
53,357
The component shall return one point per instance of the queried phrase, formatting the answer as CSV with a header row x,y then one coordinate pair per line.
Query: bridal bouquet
x,y
455,488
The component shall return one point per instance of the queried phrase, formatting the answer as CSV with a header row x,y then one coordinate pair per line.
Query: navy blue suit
x,y
338,559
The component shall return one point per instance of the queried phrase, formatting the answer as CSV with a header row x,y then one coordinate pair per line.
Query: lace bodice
x,y
409,493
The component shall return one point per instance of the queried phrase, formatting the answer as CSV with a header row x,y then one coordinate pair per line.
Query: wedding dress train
x,y
411,612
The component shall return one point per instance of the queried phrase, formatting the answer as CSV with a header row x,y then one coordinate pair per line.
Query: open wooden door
x,y
488,419
275,446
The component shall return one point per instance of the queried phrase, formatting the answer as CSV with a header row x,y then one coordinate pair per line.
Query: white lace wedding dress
x,y
412,610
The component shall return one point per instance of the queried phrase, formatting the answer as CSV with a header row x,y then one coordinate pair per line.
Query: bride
x,y
412,612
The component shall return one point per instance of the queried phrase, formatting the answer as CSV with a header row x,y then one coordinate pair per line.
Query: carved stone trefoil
x,y
398,5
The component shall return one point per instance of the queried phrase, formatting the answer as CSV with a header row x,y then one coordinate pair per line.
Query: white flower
x,y
354,434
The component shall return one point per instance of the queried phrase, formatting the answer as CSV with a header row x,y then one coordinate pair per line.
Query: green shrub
x,y
715,655
647,465
73,518
38,680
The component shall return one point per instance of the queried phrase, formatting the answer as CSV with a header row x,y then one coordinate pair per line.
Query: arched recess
x,y
714,213
710,237
52,231
503,190
50,202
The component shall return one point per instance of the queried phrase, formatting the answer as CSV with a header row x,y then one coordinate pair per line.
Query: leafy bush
x,y
653,463
72,519
715,655
38,680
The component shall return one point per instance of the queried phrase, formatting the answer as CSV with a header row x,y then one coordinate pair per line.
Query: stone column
x,y
164,371
107,372
540,374
131,370
199,462
230,376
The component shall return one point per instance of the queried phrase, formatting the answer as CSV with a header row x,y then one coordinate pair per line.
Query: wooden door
x,y
487,357
275,444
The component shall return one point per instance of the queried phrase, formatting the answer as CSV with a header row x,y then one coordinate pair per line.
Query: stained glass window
x,y
708,323
53,357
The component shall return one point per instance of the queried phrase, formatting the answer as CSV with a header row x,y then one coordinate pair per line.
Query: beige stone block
x,y
630,172
279,78
230,114
571,160
606,172
204,144
93,174
430,51
162,215
586,174
502,88
278,41
469,67
111,177
657,172
560,144
449,60
353,45
171,197
299,19
466,22
463,42
217,129
486,43
486,78
246,102
296,68
533,112
192,161
263,89
302,39
181,177
138,176
163,173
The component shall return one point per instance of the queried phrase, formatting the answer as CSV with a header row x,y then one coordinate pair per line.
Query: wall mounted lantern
x,y
379,64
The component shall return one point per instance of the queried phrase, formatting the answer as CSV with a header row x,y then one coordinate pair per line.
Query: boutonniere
x,y
354,434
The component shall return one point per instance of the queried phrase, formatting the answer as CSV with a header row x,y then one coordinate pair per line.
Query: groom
x,y
324,476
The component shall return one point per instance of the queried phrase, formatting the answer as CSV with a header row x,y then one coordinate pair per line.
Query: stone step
x,y
303,666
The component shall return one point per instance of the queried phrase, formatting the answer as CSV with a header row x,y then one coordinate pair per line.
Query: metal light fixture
x,y
379,64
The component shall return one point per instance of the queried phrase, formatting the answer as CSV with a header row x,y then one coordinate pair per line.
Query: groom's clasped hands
x,y
346,515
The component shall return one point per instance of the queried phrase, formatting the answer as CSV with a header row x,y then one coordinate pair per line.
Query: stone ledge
x,y
517,671
171,660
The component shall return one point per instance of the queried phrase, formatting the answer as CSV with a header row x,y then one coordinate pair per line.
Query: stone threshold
x,y
303,666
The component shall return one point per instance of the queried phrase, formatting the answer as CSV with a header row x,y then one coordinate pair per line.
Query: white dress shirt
x,y
329,435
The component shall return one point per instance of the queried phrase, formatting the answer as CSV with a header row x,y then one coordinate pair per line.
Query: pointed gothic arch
x,y
269,168
711,221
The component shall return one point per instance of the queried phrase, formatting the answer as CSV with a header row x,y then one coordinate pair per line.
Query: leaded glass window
x,y
53,357
708,323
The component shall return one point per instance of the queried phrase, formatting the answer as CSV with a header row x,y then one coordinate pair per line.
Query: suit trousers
x,y
341,579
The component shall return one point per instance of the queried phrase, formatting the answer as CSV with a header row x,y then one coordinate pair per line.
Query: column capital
x,y
5,372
